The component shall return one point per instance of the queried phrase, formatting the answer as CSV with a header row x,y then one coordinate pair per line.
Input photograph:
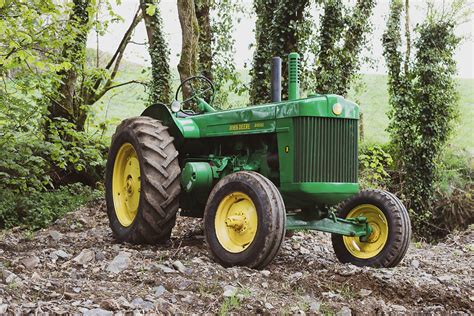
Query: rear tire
x,y
389,241
154,186
244,220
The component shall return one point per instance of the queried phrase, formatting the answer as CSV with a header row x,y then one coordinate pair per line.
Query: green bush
x,y
36,209
453,206
374,162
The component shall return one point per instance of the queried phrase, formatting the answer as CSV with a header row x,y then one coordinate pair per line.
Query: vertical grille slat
x,y
326,150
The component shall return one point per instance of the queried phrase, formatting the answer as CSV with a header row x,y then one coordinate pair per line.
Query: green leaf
x,y
150,9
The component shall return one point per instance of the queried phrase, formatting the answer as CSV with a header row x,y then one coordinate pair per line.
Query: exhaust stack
x,y
276,79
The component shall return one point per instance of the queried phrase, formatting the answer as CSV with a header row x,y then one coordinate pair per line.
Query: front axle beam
x,y
355,227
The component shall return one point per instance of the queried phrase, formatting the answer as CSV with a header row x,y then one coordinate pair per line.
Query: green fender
x,y
179,128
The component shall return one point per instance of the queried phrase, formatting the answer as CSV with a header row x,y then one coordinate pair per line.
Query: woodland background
x,y
60,101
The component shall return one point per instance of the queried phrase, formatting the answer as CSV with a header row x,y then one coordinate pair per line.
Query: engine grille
x,y
326,150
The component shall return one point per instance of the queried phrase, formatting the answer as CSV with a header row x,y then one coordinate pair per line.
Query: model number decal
x,y
245,126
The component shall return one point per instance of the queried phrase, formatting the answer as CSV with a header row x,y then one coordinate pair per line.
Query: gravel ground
x,y
75,266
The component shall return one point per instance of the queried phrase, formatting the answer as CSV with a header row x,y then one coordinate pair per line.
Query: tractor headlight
x,y
337,108
175,106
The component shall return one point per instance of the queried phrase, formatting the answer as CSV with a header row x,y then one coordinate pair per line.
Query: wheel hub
x,y
375,234
373,244
126,184
236,222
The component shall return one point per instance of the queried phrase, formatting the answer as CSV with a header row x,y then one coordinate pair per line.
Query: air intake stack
x,y
293,76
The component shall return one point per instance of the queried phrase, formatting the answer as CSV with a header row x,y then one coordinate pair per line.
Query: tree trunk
x,y
276,35
66,105
287,21
203,8
159,54
187,66
407,37
261,66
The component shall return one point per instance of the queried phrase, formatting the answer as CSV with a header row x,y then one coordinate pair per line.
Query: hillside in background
x,y
131,100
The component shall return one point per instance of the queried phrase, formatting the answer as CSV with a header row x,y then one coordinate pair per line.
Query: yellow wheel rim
x,y
376,240
236,222
126,184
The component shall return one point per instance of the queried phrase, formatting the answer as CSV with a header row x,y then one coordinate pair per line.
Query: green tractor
x,y
252,174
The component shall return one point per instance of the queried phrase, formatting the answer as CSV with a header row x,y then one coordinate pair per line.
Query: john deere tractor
x,y
252,174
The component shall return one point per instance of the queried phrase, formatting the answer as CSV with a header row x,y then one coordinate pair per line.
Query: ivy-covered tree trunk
x,y
66,105
285,35
423,101
337,65
261,67
159,53
277,34
203,9
188,62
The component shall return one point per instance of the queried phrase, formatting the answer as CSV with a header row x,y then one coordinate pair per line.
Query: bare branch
x,y
117,57
106,89
125,39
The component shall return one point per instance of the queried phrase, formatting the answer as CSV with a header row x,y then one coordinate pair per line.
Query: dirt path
x,y
75,266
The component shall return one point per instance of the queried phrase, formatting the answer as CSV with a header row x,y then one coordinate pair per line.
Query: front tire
x,y
244,220
391,230
142,182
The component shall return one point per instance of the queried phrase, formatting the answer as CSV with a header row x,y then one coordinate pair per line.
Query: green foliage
x,y
216,49
454,193
337,47
374,162
330,57
159,85
424,100
261,67
277,34
36,209
30,161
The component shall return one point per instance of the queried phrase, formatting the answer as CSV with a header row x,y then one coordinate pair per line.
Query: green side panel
x,y
262,118
250,120
188,127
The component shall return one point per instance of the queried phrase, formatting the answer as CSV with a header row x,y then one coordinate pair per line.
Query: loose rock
x,y
159,290
55,235
30,262
86,256
345,311
229,290
119,263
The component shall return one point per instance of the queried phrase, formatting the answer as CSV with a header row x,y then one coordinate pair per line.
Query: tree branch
x,y
106,89
125,39
117,57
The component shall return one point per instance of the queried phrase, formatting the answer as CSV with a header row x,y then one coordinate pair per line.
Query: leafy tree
x,y
276,32
424,99
188,63
342,37
225,76
43,69
203,15
160,88
285,26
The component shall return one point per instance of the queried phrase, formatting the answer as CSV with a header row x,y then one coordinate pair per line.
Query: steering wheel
x,y
195,93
